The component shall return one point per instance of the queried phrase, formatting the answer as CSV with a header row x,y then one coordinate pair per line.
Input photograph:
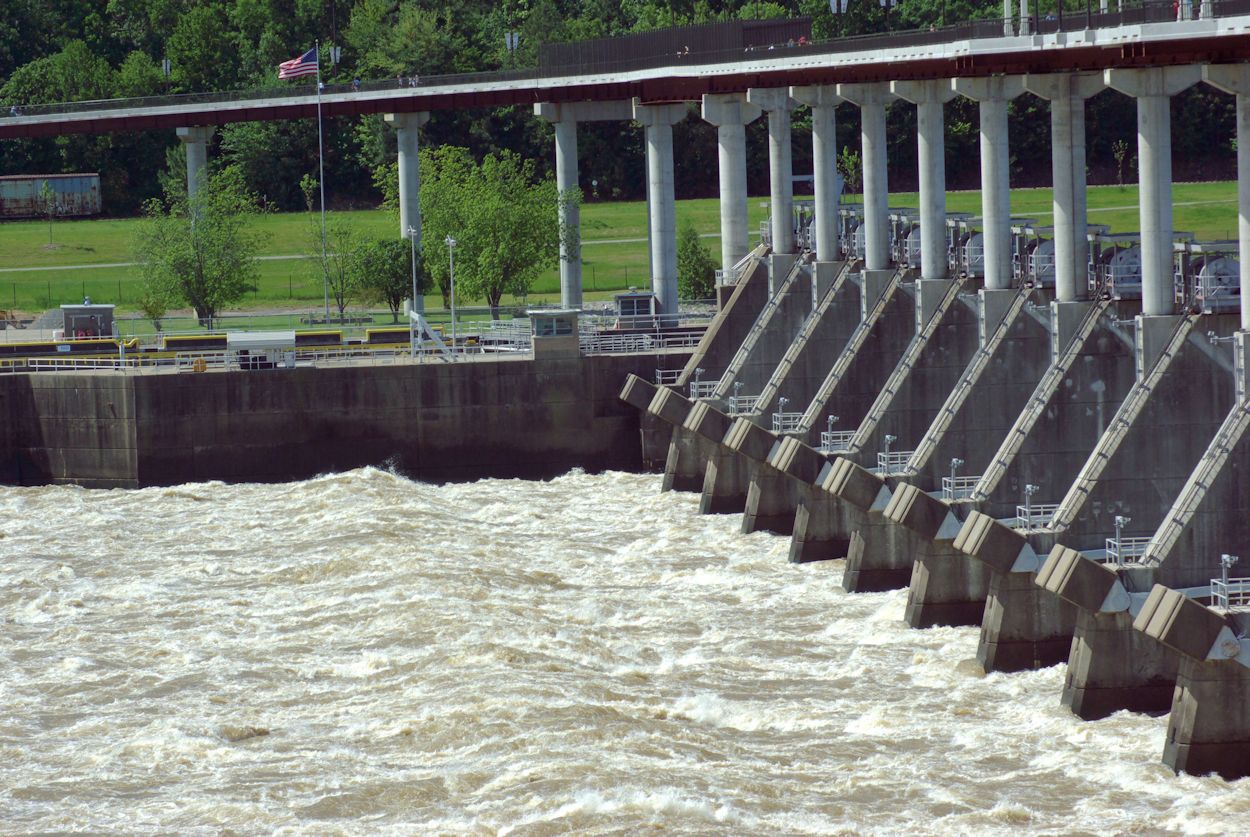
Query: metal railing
x,y
959,488
1230,593
1122,550
889,462
786,422
703,389
1035,515
740,405
667,377
836,441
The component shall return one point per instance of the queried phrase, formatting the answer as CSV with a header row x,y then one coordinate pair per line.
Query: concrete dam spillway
x,y
1063,476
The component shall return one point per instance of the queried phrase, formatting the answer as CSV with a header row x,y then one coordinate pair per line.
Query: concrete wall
x,y
811,361
933,375
727,331
873,363
1073,421
512,417
80,425
1161,447
997,398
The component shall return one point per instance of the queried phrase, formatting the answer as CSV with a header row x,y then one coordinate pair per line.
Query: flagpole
x,y
321,178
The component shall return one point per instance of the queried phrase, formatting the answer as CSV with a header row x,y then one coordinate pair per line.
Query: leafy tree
x,y
696,270
335,246
850,166
383,272
201,250
510,228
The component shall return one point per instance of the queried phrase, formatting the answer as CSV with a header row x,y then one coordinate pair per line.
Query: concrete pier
x,y
731,113
1209,724
872,99
196,138
658,122
776,102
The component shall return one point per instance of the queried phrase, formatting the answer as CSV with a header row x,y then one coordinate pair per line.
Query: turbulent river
x,y
362,654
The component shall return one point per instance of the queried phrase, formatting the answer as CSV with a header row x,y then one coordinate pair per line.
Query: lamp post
x,y
451,269
418,303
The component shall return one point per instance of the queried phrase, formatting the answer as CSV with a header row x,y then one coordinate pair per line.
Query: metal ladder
x,y
848,353
1042,393
902,369
757,331
964,386
810,325
1117,431
1199,482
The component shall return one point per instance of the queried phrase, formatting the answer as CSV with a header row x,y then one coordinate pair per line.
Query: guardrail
x,y
836,441
1230,593
703,389
1121,551
786,422
959,488
1035,516
667,377
742,404
893,461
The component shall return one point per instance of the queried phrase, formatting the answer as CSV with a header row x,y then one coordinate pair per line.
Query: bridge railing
x,y
1131,12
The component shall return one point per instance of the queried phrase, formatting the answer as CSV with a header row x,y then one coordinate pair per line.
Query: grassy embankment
x,y
1209,210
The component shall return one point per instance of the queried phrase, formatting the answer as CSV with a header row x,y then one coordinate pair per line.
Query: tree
x,y
696,271
512,229
382,270
201,250
335,247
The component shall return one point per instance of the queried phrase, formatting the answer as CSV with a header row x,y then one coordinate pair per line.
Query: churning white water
x,y
361,654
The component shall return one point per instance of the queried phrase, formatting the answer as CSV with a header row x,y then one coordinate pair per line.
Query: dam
x,y
1033,433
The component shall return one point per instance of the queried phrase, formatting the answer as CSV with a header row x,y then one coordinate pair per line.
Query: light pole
x,y
451,269
418,303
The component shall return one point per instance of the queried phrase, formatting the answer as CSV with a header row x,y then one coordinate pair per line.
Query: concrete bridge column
x,y
993,93
929,97
1235,78
871,100
406,126
730,113
1026,27
565,118
777,103
822,100
1154,88
658,120
1067,94
196,138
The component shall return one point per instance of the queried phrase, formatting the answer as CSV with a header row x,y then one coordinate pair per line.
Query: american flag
x,y
305,65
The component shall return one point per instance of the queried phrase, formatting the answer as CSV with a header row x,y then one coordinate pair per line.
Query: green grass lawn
x,y
1209,210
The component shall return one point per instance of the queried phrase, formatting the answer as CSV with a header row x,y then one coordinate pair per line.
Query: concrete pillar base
x,y
1112,667
725,483
879,556
946,588
779,267
771,502
1209,726
656,437
826,274
1024,627
685,464
816,537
